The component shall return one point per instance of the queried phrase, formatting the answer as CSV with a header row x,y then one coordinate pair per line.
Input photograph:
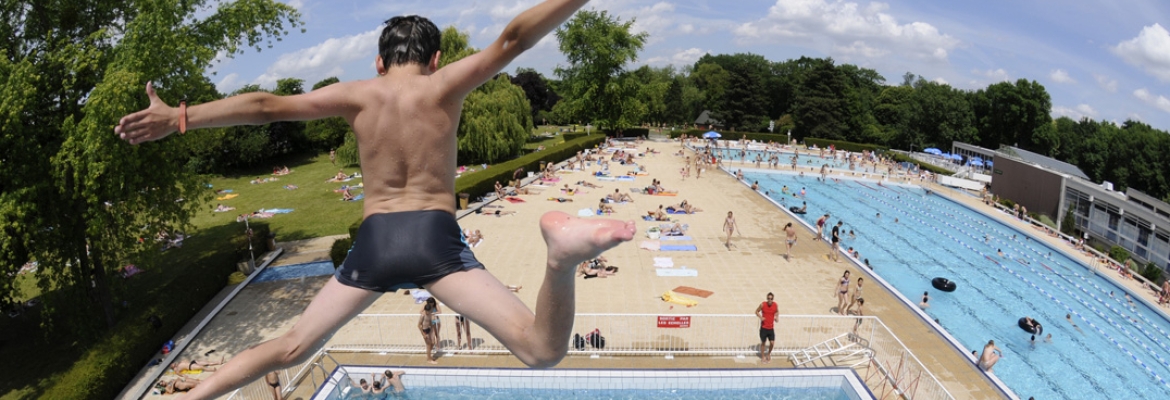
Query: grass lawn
x,y
317,209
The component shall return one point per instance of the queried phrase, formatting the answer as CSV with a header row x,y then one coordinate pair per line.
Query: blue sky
x,y
1105,60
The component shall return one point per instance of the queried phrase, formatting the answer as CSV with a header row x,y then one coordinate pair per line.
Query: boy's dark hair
x,y
408,40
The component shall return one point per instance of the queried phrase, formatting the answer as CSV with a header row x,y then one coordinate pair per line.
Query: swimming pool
x,y
1116,351
808,158
286,272
519,384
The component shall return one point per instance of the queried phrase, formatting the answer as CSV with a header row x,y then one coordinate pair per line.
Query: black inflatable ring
x,y
943,284
795,210
1031,329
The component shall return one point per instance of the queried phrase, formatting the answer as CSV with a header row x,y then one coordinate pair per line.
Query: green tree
x,y
540,95
1068,224
495,122
940,115
326,134
496,119
598,46
821,108
287,137
1007,113
742,105
75,197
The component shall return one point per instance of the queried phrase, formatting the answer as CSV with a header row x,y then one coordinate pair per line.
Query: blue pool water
x,y
1117,352
286,272
731,158
470,393
522,384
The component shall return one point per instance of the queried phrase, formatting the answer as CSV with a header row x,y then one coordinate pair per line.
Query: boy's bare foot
x,y
573,240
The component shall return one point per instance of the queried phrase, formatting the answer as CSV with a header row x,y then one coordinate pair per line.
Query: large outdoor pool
x,y
1116,350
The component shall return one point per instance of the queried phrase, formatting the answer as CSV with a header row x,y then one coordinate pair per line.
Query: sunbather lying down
x,y
495,213
596,268
560,199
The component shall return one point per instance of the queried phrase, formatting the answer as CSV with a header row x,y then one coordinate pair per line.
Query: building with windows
x,y
1133,220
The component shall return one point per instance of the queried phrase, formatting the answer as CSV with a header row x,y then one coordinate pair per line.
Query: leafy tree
x,y
74,196
941,114
326,134
540,96
1068,224
496,119
1010,113
495,123
286,137
598,46
821,108
713,81
742,105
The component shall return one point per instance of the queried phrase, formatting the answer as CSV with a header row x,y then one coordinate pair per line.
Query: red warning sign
x,y
674,321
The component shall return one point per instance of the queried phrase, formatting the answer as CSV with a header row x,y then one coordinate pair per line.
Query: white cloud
x,y
1150,51
688,56
1159,101
941,80
229,83
841,26
323,60
297,4
996,75
1076,113
1059,76
1104,82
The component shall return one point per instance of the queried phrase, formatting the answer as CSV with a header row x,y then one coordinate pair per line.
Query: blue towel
x,y
359,197
625,178
678,247
226,191
676,272
278,210
644,217
675,238
674,211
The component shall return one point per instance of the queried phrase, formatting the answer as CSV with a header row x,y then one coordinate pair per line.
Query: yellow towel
x,y
672,297
228,196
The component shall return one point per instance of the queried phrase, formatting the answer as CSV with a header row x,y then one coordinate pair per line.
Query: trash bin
x,y
464,198
543,164
271,241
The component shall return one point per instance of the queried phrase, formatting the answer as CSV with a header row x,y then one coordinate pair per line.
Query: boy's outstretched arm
x,y
528,28
159,119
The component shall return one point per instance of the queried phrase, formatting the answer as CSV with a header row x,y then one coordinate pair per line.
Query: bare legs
x,y
334,305
541,339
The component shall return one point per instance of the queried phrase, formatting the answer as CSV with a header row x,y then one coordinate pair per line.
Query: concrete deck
x,y
740,277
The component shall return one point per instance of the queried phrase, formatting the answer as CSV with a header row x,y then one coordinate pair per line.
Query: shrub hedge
x,y
757,136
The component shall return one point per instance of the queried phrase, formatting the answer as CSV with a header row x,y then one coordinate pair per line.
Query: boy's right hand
x,y
154,123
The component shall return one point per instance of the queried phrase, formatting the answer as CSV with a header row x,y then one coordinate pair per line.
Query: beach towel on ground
x,y
625,178
676,272
358,197
420,295
228,196
675,238
277,210
682,247
652,245
514,199
671,210
672,297
663,262
665,194
585,212
687,290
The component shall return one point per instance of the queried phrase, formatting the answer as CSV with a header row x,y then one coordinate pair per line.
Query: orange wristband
x,y
183,117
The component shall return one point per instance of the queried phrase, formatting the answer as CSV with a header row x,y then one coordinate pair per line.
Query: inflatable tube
x,y
796,210
1035,330
943,284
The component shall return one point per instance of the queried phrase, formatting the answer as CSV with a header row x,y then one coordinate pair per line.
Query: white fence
x,y
888,367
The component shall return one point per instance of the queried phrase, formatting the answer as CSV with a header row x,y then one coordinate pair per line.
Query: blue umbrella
x,y
975,163
711,134
945,155
988,163
956,156
932,150
976,158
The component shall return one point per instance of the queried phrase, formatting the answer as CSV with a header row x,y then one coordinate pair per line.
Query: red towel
x,y
514,199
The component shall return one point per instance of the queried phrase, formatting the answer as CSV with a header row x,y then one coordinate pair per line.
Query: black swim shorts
x,y
767,334
405,250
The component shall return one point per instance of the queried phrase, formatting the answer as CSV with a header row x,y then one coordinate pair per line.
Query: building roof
x,y
1044,161
705,119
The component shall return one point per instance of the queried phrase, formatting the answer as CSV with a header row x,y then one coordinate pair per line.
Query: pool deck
x,y
740,277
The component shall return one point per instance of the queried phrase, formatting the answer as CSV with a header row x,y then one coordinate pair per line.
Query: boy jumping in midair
x,y
405,121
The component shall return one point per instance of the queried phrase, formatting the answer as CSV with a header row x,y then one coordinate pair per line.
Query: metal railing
x,y
891,367
315,372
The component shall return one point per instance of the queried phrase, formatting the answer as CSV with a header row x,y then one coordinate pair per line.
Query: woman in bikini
x,y
856,297
428,325
790,239
841,291
194,365
730,228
